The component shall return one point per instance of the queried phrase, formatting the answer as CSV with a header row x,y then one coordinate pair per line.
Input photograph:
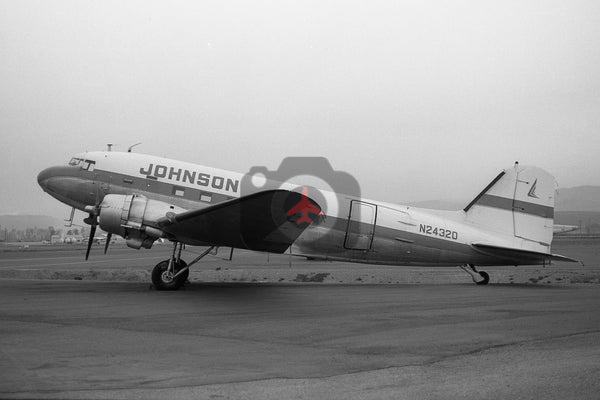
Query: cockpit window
x,y
88,165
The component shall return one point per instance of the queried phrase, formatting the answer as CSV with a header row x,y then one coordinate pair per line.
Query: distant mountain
x,y
579,206
21,222
580,198
578,218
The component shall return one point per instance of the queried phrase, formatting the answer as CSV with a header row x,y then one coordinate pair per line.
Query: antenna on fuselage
x,y
132,146
109,146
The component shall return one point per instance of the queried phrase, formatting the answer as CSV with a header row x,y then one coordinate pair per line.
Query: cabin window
x,y
207,197
178,191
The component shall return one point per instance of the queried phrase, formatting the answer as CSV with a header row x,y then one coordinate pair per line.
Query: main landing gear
x,y
171,274
479,277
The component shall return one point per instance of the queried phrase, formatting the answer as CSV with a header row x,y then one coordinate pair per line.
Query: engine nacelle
x,y
131,217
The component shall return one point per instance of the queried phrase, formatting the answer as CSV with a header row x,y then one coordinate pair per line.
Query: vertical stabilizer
x,y
519,202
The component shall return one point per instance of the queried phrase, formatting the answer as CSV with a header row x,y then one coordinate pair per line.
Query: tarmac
x,y
298,333
124,264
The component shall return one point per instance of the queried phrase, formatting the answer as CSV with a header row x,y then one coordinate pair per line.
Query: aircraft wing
x,y
255,222
521,256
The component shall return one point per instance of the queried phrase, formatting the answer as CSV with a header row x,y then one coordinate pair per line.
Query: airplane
x,y
144,198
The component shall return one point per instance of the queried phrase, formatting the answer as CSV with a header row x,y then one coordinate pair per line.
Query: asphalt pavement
x,y
98,340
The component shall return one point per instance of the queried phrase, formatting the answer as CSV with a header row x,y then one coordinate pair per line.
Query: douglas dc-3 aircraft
x,y
143,198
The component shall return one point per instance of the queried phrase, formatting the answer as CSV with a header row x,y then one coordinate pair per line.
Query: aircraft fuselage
x,y
353,229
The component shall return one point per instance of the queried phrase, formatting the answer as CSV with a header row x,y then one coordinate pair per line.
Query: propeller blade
x,y
108,237
90,241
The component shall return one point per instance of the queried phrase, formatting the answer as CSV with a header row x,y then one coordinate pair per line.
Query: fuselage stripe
x,y
524,207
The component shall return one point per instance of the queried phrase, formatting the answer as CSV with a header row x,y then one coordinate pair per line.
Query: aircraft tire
x,y
486,278
162,282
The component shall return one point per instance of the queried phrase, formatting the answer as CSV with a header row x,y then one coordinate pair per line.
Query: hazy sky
x,y
418,100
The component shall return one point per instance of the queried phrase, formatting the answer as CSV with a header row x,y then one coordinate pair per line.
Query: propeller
x,y
90,240
108,237
92,220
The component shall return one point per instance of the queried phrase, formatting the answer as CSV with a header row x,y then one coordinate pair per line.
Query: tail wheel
x,y
163,279
486,278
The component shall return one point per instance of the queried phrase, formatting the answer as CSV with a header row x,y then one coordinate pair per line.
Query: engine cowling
x,y
134,218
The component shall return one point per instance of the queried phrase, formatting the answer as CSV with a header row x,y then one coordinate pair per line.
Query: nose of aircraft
x,y
66,184
45,176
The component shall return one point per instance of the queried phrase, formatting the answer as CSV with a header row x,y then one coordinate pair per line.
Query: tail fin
x,y
518,202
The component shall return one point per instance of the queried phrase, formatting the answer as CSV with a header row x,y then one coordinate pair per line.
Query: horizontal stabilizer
x,y
519,256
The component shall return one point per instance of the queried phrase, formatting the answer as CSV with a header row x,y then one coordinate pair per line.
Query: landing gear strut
x,y
171,274
479,277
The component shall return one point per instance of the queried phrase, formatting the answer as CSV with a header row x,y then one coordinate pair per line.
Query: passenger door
x,y
361,225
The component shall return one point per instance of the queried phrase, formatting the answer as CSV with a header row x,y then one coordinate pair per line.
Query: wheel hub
x,y
167,277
